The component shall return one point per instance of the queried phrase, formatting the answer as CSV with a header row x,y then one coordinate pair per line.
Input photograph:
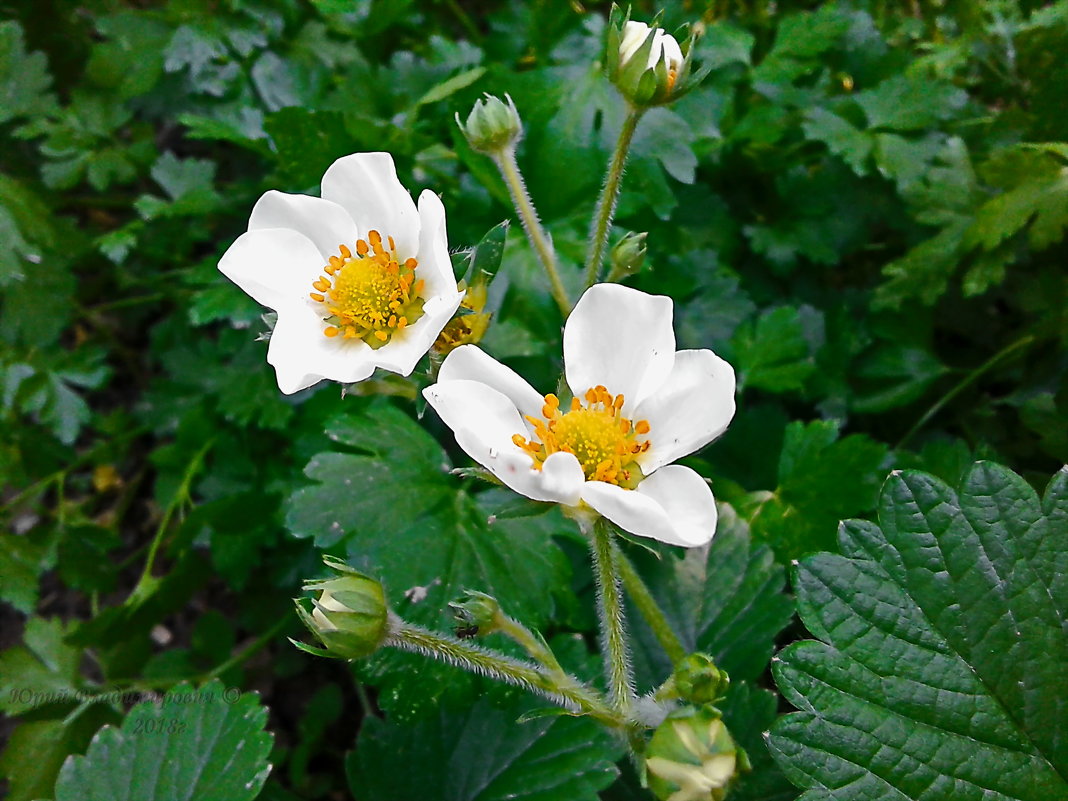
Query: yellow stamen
x,y
604,442
370,295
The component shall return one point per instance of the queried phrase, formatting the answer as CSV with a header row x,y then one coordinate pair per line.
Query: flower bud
x,y
492,125
470,322
477,614
699,681
350,616
646,63
628,255
692,757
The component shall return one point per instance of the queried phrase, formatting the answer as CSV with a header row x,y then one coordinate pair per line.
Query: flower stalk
x,y
606,204
533,644
569,694
647,607
611,617
504,158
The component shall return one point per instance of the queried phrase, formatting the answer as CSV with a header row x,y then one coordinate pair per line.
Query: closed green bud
x,y
699,681
477,614
646,63
492,125
628,255
350,616
692,757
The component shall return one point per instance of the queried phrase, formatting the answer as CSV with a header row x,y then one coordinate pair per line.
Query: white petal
x,y
326,224
275,266
691,408
471,363
620,338
688,501
634,34
657,49
435,266
366,186
630,510
672,52
406,348
484,422
303,356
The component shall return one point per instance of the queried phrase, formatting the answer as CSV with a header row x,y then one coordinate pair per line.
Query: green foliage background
x,y
863,208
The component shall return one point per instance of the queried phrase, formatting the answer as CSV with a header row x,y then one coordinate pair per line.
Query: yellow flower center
x,y
370,295
605,443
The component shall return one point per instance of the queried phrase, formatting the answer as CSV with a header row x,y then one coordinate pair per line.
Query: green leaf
x,y
441,544
776,352
476,751
1043,203
451,86
24,77
484,260
41,671
34,754
26,230
307,142
841,137
205,744
23,558
822,479
910,103
748,712
942,660
130,61
727,601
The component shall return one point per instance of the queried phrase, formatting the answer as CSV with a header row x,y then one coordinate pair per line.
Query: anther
x,y
330,331
344,250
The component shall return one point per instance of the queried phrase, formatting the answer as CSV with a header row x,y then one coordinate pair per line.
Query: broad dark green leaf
x,y
477,751
398,514
727,601
205,744
942,659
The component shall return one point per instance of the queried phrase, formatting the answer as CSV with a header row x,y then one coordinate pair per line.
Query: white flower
x,y
639,405
665,46
360,278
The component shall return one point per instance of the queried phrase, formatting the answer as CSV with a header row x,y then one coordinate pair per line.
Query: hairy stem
x,y
648,607
539,240
610,613
571,695
606,204
533,644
